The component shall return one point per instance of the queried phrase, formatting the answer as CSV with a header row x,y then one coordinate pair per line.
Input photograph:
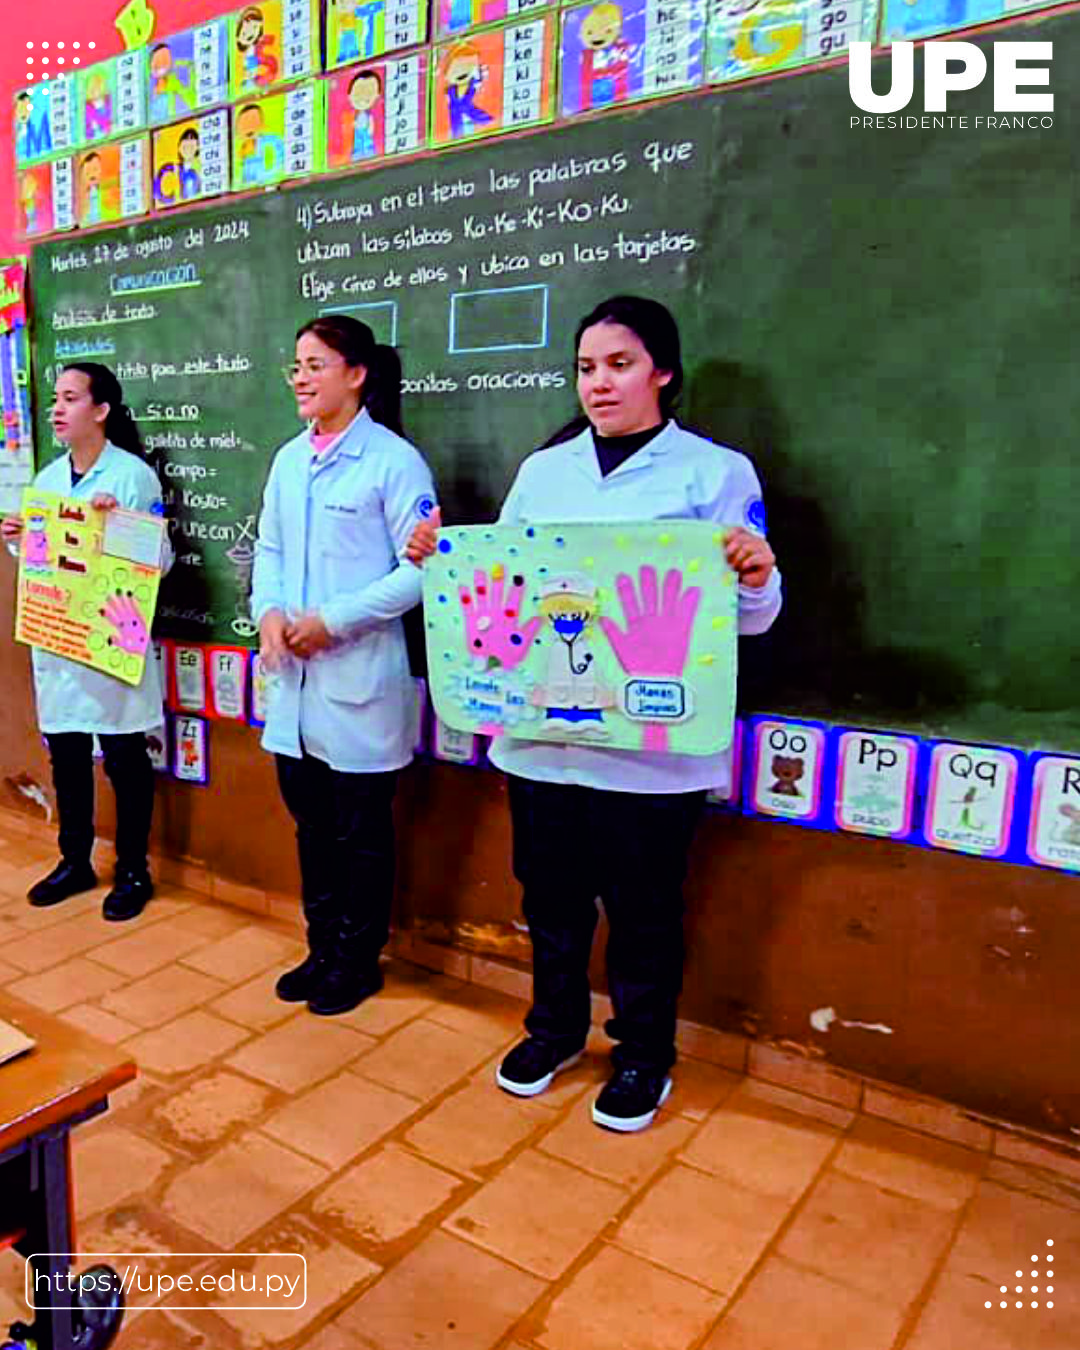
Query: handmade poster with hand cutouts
x,y
621,636
88,582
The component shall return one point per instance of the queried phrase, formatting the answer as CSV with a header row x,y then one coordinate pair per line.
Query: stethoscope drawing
x,y
568,631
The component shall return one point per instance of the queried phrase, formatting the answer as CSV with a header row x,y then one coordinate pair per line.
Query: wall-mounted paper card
x,y
157,746
619,635
187,678
494,81
46,195
45,121
112,97
228,676
17,437
455,747
970,798
191,160
191,759
277,137
189,71
360,30
787,767
458,16
617,50
875,783
259,684
112,182
910,19
377,110
1053,837
271,43
750,39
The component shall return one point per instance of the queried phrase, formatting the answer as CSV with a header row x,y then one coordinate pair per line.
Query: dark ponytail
x,y
354,340
120,427
654,326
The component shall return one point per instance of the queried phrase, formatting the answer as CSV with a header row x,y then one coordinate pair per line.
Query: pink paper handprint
x,y
656,640
493,629
132,634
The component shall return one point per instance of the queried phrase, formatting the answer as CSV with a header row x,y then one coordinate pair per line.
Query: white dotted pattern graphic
x,y
1049,1288
45,61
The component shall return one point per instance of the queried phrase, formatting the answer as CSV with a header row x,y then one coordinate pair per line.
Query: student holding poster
x,y
328,595
591,821
105,466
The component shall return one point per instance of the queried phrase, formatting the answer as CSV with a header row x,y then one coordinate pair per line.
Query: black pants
x,y
345,833
573,845
127,764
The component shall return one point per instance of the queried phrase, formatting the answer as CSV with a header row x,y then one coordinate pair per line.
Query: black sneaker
x,y
340,991
65,880
630,1100
298,985
531,1065
128,897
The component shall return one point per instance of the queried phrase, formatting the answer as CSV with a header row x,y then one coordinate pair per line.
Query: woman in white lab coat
x,y
592,821
329,594
105,465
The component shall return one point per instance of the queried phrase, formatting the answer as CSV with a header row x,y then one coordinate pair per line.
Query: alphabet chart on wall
x,y
1053,837
970,798
787,769
875,783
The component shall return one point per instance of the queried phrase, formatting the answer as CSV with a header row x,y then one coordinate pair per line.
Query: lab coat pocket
x,y
365,670
349,676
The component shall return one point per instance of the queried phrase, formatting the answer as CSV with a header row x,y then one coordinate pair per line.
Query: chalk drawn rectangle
x,y
379,315
500,319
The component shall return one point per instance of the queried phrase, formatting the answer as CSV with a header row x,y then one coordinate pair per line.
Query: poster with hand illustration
x,y
88,582
621,635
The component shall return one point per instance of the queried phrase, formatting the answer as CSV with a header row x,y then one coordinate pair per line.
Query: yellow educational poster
x,y
88,582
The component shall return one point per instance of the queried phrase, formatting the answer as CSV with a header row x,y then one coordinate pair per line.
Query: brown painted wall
x,y
972,964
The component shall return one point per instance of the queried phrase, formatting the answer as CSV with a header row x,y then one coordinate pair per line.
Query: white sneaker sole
x,y
629,1124
541,1084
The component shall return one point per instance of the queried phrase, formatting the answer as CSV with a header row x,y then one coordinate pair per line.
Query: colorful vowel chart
x,y
88,582
619,635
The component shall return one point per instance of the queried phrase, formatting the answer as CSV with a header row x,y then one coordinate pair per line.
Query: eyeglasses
x,y
292,373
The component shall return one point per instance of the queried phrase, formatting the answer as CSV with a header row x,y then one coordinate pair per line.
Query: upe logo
x,y
951,67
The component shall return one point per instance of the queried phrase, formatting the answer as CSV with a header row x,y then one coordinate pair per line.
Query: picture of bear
x,y
787,771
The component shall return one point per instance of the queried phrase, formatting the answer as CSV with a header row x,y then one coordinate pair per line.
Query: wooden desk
x,y
64,1080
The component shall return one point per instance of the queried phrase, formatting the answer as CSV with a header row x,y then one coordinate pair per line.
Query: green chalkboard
x,y
884,319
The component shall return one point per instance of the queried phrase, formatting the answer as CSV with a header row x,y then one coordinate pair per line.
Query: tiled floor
x,y
436,1213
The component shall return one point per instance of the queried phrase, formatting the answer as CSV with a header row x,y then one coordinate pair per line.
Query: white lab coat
x,y
72,697
332,538
677,475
